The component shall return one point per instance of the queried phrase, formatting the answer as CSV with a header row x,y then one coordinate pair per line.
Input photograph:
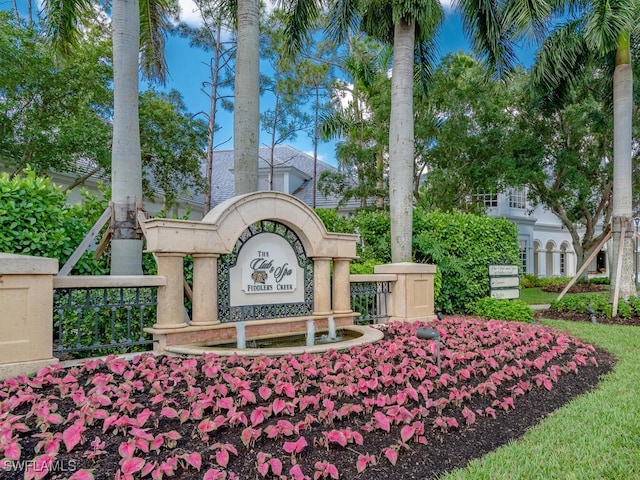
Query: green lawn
x,y
597,436
536,296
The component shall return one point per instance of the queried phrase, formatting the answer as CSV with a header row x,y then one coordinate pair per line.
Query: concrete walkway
x,y
545,306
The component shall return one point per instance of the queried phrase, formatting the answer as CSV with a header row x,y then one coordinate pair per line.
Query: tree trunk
x,y
213,107
401,143
622,174
246,119
126,162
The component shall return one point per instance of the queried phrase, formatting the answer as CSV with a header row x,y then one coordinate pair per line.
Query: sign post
x,y
504,281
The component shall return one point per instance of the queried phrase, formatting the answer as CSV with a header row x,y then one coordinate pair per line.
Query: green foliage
x,y
463,246
53,113
528,280
501,309
579,303
333,221
363,268
173,144
374,228
35,219
600,280
600,304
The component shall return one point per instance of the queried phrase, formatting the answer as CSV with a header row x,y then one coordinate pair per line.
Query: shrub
x,y
600,280
495,309
528,280
580,301
463,246
35,219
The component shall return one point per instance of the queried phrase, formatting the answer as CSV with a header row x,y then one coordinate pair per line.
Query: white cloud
x,y
448,4
189,13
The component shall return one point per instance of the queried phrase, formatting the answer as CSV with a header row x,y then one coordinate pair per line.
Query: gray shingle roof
x,y
285,158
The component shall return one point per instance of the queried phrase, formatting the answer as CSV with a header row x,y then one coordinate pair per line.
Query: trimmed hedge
x,y
495,309
461,245
35,219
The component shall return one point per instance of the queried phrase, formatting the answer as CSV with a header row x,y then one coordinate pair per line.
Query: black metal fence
x,y
100,319
94,317
371,300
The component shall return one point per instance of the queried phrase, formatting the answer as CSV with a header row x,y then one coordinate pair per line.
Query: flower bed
x,y
377,411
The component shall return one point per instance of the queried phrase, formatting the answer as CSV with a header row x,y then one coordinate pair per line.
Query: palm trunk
x,y
246,121
401,143
622,172
215,70
126,162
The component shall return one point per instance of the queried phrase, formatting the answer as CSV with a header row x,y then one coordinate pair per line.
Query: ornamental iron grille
x,y
227,313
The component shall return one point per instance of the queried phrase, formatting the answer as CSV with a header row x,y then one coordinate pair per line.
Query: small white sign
x,y
507,293
269,267
502,282
495,270
266,264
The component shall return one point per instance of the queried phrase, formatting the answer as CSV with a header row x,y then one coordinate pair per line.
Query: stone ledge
x,y
369,335
16,369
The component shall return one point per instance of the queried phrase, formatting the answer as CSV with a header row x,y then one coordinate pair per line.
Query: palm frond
x,y
528,18
344,17
482,22
607,20
301,16
63,22
426,57
154,23
560,61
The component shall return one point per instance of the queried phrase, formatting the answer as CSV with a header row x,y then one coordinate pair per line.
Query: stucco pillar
x,y
171,296
205,289
322,286
26,319
412,293
341,286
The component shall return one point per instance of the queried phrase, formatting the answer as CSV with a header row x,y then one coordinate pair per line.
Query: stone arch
x,y
234,215
564,258
550,249
537,246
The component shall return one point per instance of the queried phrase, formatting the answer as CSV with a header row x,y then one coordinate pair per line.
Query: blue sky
x,y
188,69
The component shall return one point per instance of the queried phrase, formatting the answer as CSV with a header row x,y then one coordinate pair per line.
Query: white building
x,y
546,247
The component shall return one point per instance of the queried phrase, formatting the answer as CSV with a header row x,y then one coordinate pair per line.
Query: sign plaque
x,y
266,266
504,282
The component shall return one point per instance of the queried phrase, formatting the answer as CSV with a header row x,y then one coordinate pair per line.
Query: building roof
x,y
286,159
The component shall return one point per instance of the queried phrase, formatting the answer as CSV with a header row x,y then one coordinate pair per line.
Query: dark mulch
x,y
576,288
585,317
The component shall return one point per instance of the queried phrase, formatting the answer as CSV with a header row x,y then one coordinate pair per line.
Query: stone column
x,y
341,286
171,297
412,293
26,319
322,286
205,289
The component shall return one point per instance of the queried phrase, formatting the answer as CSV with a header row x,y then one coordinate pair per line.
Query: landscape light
x,y
425,333
439,314
592,312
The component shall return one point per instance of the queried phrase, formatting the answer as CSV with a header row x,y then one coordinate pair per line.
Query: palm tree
x,y
246,117
601,32
133,34
410,26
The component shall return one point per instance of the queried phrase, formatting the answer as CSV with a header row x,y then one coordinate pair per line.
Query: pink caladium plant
x,y
167,416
